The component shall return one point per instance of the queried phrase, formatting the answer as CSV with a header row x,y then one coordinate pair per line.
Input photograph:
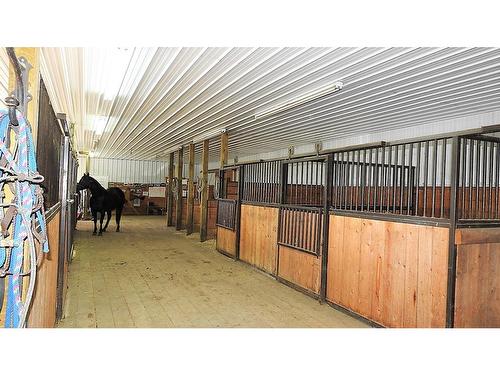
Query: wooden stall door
x,y
477,303
228,212
301,218
259,230
392,273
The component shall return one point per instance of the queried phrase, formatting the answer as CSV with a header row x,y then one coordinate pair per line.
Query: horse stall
x,y
174,196
400,235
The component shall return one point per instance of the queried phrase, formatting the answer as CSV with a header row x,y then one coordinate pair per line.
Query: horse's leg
x,y
118,217
94,217
101,219
107,221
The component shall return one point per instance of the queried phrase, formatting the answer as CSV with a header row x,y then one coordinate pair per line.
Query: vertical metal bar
x,y
325,228
409,191
262,186
395,178
351,183
307,184
323,182
417,174
443,176
250,182
388,178
484,159
471,176
277,182
463,169
375,182
317,184
383,173
170,195
490,182
346,179
341,179
426,174
264,182
452,255
402,178
434,177
497,179
369,174
478,177
64,245
363,175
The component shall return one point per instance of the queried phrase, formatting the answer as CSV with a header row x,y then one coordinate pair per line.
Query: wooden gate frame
x,y
237,226
327,159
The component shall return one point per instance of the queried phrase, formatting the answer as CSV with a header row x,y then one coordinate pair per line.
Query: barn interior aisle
x,y
148,276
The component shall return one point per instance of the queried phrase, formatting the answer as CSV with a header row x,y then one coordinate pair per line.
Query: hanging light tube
x,y
173,149
314,94
208,135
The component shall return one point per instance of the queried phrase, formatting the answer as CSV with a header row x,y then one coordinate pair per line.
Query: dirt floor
x,y
149,275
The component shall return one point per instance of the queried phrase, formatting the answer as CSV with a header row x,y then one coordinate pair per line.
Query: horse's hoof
x,y
100,234
117,230
104,230
94,233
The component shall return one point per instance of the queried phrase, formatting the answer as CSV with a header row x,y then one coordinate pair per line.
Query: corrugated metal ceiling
x,y
141,102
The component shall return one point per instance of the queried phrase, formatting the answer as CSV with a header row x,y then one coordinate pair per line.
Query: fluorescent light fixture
x,y
314,94
173,149
98,123
209,134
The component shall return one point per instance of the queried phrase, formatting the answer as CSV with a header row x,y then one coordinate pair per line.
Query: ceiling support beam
x,y
204,192
178,203
170,195
190,197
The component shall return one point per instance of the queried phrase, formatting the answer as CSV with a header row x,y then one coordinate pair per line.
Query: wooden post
x,y
204,193
178,204
170,196
222,163
190,197
223,150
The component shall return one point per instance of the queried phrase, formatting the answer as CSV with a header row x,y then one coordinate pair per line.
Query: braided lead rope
x,y
22,176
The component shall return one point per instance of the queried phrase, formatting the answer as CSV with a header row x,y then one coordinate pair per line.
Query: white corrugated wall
x,y
129,171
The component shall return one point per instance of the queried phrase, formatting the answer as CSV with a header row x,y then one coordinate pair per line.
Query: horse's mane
x,y
97,185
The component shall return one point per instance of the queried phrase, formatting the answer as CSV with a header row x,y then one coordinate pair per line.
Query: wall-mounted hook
x,y
12,104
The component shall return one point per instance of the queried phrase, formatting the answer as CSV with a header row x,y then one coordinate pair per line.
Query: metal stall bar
x,y
452,253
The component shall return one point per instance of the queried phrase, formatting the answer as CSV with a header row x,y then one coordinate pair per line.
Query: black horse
x,y
102,201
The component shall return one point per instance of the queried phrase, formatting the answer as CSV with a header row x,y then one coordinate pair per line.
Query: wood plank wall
x,y
43,309
226,241
392,273
129,208
300,268
477,292
258,236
